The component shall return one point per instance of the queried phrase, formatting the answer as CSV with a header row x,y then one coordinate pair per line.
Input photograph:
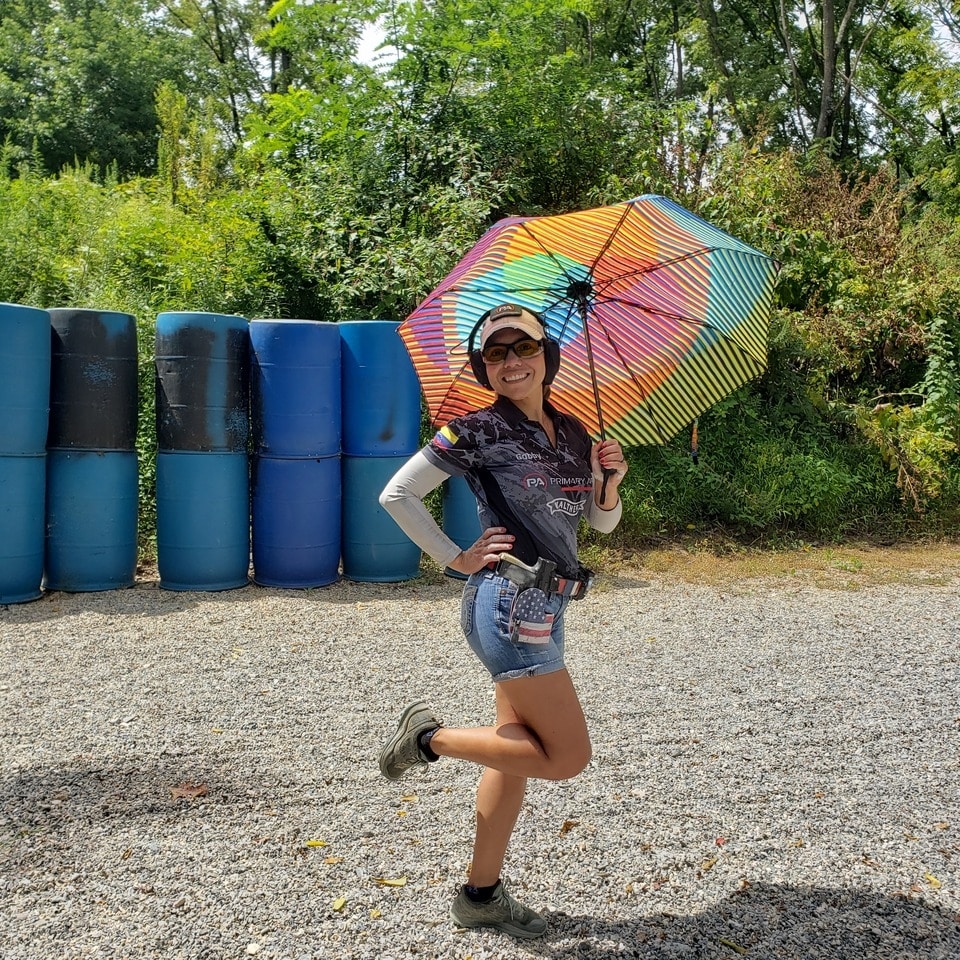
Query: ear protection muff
x,y
551,348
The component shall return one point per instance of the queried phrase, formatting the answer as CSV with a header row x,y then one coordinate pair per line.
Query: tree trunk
x,y
829,41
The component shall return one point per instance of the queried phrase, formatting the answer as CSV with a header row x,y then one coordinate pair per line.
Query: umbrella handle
x,y
607,473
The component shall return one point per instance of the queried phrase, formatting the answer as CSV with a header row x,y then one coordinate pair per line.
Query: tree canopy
x,y
239,155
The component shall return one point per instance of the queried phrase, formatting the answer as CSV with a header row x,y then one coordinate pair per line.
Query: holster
x,y
540,575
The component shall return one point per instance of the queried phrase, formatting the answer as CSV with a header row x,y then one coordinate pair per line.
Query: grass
x,y
717,561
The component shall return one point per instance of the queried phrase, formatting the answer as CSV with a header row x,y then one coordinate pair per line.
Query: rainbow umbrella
x,y
658,314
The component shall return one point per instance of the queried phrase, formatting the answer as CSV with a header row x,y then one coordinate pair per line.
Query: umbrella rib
x,y
553,257
611,236
583,297
699,323
680,318
641,389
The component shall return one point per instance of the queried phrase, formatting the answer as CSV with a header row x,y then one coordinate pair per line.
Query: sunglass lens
x,y
526,348
495,354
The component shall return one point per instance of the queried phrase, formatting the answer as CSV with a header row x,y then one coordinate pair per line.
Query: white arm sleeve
x,y
402,498
602,520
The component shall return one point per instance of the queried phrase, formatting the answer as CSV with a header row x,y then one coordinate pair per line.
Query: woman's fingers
x,y
487,549
608,455
494,540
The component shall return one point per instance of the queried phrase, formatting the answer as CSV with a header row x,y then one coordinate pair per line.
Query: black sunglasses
x,y
523,349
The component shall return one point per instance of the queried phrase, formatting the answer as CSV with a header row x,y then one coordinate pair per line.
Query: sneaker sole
x,y
520,933
401,732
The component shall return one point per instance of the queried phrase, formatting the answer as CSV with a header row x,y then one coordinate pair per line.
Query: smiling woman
x,y
535,473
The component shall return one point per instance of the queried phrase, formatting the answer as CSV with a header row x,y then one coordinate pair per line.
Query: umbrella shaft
x,y
582,307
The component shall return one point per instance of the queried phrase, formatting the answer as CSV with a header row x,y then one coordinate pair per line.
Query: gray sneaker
x,y
402,750
502,913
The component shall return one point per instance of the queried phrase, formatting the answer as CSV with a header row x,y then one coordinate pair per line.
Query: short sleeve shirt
x,y
521,481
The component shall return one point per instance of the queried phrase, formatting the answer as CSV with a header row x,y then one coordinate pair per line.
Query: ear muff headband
x,y
551,349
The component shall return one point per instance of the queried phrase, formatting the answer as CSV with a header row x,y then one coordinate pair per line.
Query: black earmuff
x,y
551,348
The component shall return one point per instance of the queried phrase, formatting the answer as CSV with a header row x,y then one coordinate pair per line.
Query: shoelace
x,y
514,905
412,758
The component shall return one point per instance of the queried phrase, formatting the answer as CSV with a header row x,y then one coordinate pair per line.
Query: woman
x,y
535,472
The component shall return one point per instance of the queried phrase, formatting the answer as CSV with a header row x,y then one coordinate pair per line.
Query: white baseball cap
x,y
509,316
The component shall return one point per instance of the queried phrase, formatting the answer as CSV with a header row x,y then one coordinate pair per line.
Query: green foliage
x,y
255,167
77,80
911,445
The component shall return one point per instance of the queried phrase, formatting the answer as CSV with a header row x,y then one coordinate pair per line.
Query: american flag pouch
x,y
529,618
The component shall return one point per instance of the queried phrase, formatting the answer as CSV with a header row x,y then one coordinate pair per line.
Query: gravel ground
x,y
775,775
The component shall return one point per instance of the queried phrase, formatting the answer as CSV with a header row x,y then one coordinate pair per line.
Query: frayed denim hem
x,y
535,670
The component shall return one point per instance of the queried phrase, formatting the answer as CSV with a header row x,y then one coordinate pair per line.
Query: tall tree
x,y
77,79
222,34
814,72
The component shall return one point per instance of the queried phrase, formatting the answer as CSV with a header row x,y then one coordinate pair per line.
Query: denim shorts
x,y
485,619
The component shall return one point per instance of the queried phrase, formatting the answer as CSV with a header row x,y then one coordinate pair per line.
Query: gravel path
x,y
776,774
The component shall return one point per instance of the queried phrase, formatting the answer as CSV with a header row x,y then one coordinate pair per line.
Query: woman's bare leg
x,y
499,798
546,737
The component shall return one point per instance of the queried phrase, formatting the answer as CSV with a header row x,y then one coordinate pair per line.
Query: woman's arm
x,y
609,467
402,498
600,519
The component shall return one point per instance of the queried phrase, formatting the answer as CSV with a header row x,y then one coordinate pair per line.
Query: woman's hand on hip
x,y
492,542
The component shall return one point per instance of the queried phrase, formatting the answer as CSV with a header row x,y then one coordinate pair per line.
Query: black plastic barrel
x,y
24,380
93,380
24,416
373,547
203,520
91,520
22,484
92,476
203,425
295,404
296,521
203,382
381,392
461,522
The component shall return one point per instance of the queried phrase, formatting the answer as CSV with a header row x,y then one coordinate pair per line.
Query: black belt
x,y
539,575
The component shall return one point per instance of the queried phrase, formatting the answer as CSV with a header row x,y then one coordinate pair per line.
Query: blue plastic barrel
x,y
203,520
381,392
374,548
22,486
295,406
460,520
203,382
296,521
24,380
91,540
93,380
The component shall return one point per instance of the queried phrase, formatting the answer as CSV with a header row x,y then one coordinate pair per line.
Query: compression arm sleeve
x,y
602,520
402,498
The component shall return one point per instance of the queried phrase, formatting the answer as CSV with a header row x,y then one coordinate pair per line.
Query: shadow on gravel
x,y
65,798
146,599
770,922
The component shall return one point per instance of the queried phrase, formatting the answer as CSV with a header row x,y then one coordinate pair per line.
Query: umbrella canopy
x,y
658,314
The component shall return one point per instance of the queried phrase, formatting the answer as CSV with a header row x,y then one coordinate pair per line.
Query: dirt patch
x,y
848,566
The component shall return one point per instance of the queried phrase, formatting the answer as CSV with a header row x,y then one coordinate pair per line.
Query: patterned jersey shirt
x,y
521,481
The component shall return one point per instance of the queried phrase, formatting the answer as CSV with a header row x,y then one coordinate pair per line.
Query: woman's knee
x,y
569,762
